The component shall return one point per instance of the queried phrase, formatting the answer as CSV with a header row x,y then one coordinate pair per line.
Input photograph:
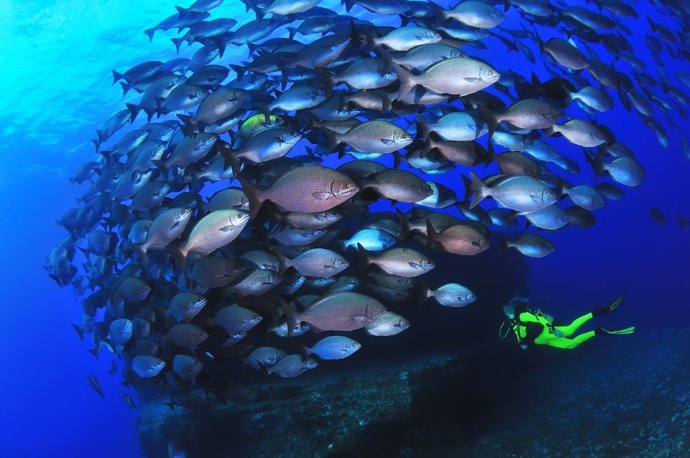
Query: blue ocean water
x,y
57,59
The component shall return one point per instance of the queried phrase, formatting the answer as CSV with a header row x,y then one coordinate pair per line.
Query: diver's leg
x,y
569,344
570,329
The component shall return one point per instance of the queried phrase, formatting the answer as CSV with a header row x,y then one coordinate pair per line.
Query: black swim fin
x,y
608,309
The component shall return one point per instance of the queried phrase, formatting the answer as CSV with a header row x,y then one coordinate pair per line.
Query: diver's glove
x,y
609,308
620,332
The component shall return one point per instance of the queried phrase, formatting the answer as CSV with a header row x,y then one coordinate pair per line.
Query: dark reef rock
x,y
614,397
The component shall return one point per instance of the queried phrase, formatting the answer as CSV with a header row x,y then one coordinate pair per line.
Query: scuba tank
x,y
549,318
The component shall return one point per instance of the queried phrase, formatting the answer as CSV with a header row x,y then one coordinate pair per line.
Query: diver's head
x,y
512,308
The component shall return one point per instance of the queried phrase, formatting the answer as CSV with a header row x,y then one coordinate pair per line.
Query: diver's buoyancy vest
x,y
527,331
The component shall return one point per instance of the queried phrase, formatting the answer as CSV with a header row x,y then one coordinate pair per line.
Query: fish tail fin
x,y
492,153
595,160
133,111
441,13
284,262
404,225
117,76
510,45
142,251
479,190
490,118
423,293
625,98
254,196
149,114
332,140
162,166
94,351
397,159
422,127
265,368
345,245
149,33
273,215
407,80
188,124
305,352
551,131
179,257
126,87
177,42
160,107
292,31
327,79
291,315
253,48
348,5
362,258
540,42
467,183
431,234
264,109
220,44
240,70
385,101
651,24
502,243
230,159
371,39
79,330
258,11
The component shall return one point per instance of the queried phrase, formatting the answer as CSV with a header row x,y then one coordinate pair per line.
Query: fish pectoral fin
x,y
322,195
471,80
536,199
360,318
227,228
415,265
386,141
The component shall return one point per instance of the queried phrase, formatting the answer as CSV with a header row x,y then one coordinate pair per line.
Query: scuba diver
x,y
531,325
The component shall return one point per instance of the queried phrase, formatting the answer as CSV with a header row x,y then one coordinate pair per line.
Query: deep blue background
x,y
56,81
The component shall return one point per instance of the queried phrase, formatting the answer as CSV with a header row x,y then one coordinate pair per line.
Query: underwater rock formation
x,y
484,401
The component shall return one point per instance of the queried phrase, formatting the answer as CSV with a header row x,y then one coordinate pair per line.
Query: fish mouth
x,y
351,192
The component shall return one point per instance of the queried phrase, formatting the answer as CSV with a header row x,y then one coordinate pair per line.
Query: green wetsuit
x,y
534,327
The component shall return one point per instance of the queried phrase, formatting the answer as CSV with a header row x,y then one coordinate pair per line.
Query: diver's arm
x,y
526,317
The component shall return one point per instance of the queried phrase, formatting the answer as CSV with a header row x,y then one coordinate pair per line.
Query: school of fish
x,y
235,200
